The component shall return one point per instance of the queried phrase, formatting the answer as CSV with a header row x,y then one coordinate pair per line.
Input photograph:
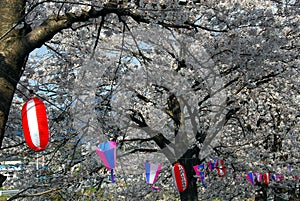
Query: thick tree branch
x,y
138,118
54,24
162,142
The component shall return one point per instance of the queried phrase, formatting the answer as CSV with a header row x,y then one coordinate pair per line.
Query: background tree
x,y
241,39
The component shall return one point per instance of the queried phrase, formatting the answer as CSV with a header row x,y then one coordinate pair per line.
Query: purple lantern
x,y
250,177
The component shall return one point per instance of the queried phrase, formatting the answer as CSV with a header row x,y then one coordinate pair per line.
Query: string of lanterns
x,y
36,134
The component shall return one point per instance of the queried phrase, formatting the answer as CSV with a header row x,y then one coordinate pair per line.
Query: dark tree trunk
x,y
262,192
191,193
12,54
12,57
188,160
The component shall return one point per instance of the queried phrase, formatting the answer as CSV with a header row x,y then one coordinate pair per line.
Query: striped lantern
x,y
35,124
180,177
266,178
221,168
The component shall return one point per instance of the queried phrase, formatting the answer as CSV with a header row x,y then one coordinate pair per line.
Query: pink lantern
x,y
107,151
35,124
180,177
259,176
200,171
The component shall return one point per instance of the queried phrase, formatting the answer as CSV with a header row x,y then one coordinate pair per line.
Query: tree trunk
x,y
12,57
12,54
261,194
188,160
191,193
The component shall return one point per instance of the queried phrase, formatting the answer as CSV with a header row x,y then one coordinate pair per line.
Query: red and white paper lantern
x,y
266,178
221,168
35,124
180,177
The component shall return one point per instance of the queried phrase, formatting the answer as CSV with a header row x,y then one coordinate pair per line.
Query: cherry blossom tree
x,y
190,80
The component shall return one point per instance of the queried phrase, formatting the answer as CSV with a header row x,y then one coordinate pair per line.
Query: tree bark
x,y
191,193
12,57
12,54
188,160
